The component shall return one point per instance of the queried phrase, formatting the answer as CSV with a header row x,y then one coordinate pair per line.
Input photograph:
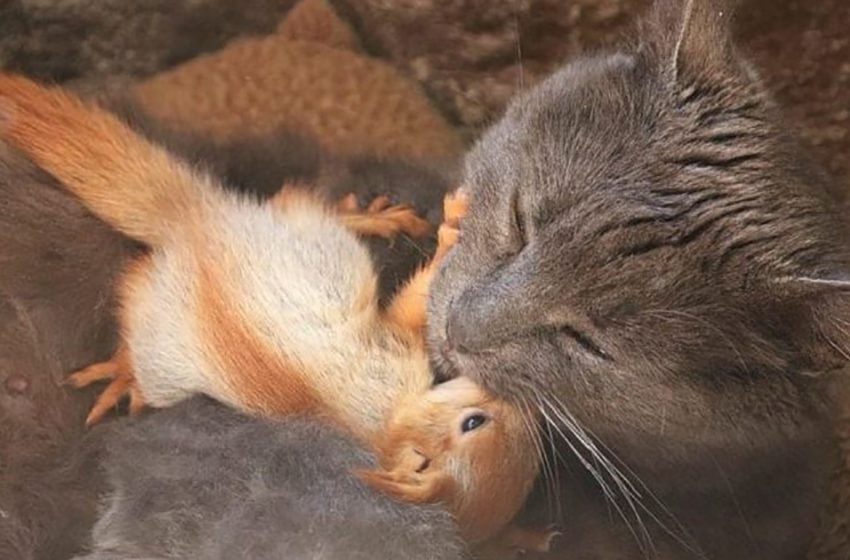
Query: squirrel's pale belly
x,y
297,283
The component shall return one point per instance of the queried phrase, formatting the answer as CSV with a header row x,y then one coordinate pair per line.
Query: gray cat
x,y
652,262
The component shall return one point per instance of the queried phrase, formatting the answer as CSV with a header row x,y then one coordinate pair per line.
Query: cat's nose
x,y
496,309
473,316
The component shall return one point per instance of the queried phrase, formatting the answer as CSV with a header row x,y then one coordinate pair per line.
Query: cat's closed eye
x,y
518,228
582,340
512,235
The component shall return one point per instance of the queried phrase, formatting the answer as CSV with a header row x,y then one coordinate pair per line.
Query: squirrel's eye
x,y
473,422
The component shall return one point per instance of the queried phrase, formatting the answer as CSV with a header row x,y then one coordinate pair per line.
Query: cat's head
x,y
646,248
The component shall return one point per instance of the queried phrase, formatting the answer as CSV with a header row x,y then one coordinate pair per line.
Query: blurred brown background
x,y
470,55
467,52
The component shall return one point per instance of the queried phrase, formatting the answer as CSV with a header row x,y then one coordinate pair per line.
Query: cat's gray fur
x,y
202,482
652,261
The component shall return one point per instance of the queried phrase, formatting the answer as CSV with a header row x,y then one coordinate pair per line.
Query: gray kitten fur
x,y
652,261
202,482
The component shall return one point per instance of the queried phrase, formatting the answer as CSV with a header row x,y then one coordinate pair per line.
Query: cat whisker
x,y
683,535
838,348
520,66
610,497
593,471
526,415
837,322
550,478
556,456
415,244
623,484
556,460
626,484
546,407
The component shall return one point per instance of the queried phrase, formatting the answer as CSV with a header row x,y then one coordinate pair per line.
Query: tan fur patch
x,y
350,104
316,21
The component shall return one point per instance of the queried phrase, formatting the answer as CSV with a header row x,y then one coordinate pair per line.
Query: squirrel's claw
x,y
121,383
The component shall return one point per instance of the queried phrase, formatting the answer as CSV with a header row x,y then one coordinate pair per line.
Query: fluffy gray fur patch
x,y
201,481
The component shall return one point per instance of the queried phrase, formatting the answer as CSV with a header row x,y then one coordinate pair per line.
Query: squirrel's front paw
x,y
455,208
415,487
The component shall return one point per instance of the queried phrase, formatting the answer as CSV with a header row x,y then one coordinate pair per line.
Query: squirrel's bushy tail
x,y
134,185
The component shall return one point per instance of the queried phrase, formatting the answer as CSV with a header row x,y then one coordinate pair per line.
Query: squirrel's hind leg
x,y
380,218
122,382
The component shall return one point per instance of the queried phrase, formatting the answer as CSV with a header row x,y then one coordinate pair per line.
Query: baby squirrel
x,y
272,308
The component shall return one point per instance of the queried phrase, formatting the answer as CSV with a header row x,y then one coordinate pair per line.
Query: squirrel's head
x,y
463,447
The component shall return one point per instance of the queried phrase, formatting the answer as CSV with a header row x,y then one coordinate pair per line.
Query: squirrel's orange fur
x,y
272,308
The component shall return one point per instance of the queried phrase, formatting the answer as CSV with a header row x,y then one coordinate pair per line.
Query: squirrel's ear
x,y
691,37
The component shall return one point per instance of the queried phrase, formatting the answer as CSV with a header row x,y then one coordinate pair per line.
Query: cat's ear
x,y
824,326
692,37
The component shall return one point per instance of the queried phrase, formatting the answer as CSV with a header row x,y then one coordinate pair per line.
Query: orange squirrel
x,y
272,308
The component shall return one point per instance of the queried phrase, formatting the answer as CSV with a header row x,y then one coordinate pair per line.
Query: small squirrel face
x,y
460,446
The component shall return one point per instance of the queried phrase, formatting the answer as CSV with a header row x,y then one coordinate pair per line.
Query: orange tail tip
x,y
52,125
123,178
